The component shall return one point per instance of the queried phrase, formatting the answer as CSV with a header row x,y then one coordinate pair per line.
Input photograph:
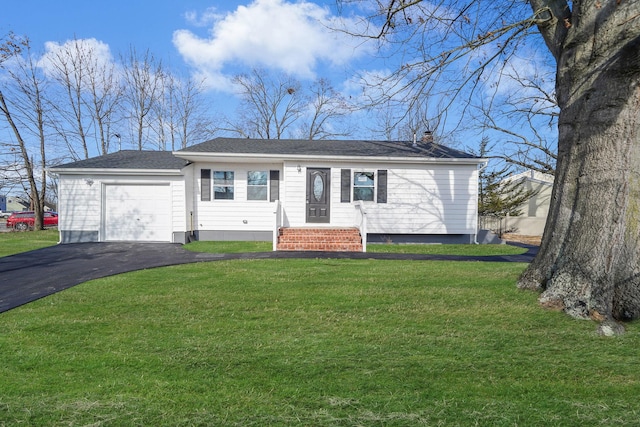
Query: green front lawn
x,y
13,242
475,250
465,250
315,343
16,242
229,247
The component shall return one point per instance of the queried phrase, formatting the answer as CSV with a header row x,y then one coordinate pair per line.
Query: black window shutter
x,y
205,185
345,185
274,184
382,186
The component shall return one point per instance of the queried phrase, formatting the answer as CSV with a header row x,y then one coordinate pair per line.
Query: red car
x,y
25,220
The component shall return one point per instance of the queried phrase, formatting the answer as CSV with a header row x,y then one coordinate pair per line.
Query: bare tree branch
x,y
269,106
30,100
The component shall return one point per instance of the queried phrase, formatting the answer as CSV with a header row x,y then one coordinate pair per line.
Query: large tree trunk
x,y
588,264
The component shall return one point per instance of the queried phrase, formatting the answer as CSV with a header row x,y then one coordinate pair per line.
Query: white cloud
x,y
75,50
274,34
208,17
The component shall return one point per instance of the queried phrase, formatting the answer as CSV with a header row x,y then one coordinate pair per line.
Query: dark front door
x,y
318,183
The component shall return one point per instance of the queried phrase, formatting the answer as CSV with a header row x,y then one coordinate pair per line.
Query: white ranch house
x,y
248,189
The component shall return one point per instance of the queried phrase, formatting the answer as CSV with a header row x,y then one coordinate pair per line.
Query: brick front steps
x,y
320,239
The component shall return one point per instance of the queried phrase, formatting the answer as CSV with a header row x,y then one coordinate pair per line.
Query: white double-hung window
x,y
257,185
368,186
223,185
364,186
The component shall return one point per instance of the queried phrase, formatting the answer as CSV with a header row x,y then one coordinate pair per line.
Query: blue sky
x,y
218,39
215,39
212,41
116,22
119,23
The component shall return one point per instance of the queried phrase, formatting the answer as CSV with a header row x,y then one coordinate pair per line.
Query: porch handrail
x,y
277,222
361,222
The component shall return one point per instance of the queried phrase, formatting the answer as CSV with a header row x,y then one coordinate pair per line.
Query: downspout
x,y
191,237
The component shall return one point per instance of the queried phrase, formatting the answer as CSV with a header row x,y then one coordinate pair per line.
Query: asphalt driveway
x,y
32,275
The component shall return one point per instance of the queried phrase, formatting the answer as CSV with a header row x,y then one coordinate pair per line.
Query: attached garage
x,y
128,196
139,213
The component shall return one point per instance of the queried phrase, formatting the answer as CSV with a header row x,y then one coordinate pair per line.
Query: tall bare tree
x,y
193,122
401,124
143,89
89,93
25,113
181,114
589,261
104,99
328,113
84,93
270,105
164,112
10,46
67,67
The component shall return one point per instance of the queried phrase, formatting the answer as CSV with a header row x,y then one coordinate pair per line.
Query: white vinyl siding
x,y
79,203
239,214
294,193
441,200
83,207
426,199
183,202
179,202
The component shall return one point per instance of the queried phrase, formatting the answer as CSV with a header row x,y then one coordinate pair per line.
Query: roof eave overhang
x,y
259,157
105,171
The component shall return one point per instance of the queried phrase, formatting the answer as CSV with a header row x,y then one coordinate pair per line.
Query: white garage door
x,y
139,213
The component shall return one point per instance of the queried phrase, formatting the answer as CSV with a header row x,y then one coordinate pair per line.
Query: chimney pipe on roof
x,y
415,140
427,136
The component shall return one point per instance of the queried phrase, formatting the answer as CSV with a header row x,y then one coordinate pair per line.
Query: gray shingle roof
x,y
159,160
355,148
130,159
